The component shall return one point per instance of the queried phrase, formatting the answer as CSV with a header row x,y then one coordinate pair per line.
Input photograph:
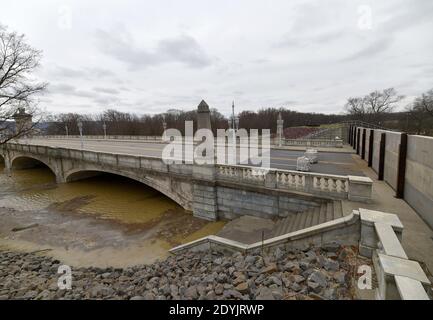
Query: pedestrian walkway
x,y
417,236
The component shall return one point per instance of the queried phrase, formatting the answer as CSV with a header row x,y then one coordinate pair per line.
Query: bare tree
x,y
17,89
416,119
420,114
379,102
425,102
374,105
356,107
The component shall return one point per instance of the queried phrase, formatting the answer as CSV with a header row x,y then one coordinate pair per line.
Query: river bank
x,y
310,273
83,240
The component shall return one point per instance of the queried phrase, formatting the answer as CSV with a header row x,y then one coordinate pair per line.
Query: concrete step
x,y
302,221
309,220
316,216
282,225
288,223
291,224
329,211
322,215
278,229
296,222
338,210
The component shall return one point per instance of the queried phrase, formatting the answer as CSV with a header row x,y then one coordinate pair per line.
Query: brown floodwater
x,y
119,202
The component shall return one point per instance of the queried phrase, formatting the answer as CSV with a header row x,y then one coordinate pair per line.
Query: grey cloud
x,y
81,73
106,90
83,93
69,90
105,100
183,49
290,40
100,72
65,72
405,14
374,48
61,88
289,102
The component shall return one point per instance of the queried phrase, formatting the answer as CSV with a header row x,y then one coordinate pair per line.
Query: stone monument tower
x,y
280,128
203,116
23,121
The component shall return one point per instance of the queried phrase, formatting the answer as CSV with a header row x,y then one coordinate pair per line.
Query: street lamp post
x,y
67,130
164,128
104,126
80,128
233,134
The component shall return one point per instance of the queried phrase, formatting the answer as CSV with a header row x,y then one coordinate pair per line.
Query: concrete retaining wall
x,y
418,186
234,202
345,229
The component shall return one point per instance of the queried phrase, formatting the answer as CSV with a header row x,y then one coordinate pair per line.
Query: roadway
x,y
329,162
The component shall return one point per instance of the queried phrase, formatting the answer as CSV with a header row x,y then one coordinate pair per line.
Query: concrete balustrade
x,y
323,143
102,137
353,188
397,276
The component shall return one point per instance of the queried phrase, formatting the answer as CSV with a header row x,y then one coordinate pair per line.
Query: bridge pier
x,y
7,160
205,205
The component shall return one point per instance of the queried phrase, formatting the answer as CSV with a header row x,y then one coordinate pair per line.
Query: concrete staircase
x,y
327,211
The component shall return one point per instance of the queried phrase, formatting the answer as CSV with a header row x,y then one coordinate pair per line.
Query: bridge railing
x,y
336,143
354,188
105,159
102,137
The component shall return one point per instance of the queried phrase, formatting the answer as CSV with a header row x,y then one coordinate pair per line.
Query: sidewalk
x,y
417,235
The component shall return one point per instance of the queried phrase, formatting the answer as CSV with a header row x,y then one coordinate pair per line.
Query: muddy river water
x,y
105,220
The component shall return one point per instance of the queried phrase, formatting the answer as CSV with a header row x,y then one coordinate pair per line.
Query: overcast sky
x,y
150,56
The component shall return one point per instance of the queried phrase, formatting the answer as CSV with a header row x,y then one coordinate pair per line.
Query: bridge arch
x,y
27,162
80,174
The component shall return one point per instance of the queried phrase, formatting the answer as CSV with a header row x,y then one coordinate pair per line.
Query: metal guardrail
x,y
359,123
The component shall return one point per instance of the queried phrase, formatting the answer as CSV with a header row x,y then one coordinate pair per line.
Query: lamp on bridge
x,y
280,129
80,128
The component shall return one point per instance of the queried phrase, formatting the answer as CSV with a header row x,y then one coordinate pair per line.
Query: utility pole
x,y
234,134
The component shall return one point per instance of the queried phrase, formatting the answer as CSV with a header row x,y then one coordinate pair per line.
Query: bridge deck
x,y
329,162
